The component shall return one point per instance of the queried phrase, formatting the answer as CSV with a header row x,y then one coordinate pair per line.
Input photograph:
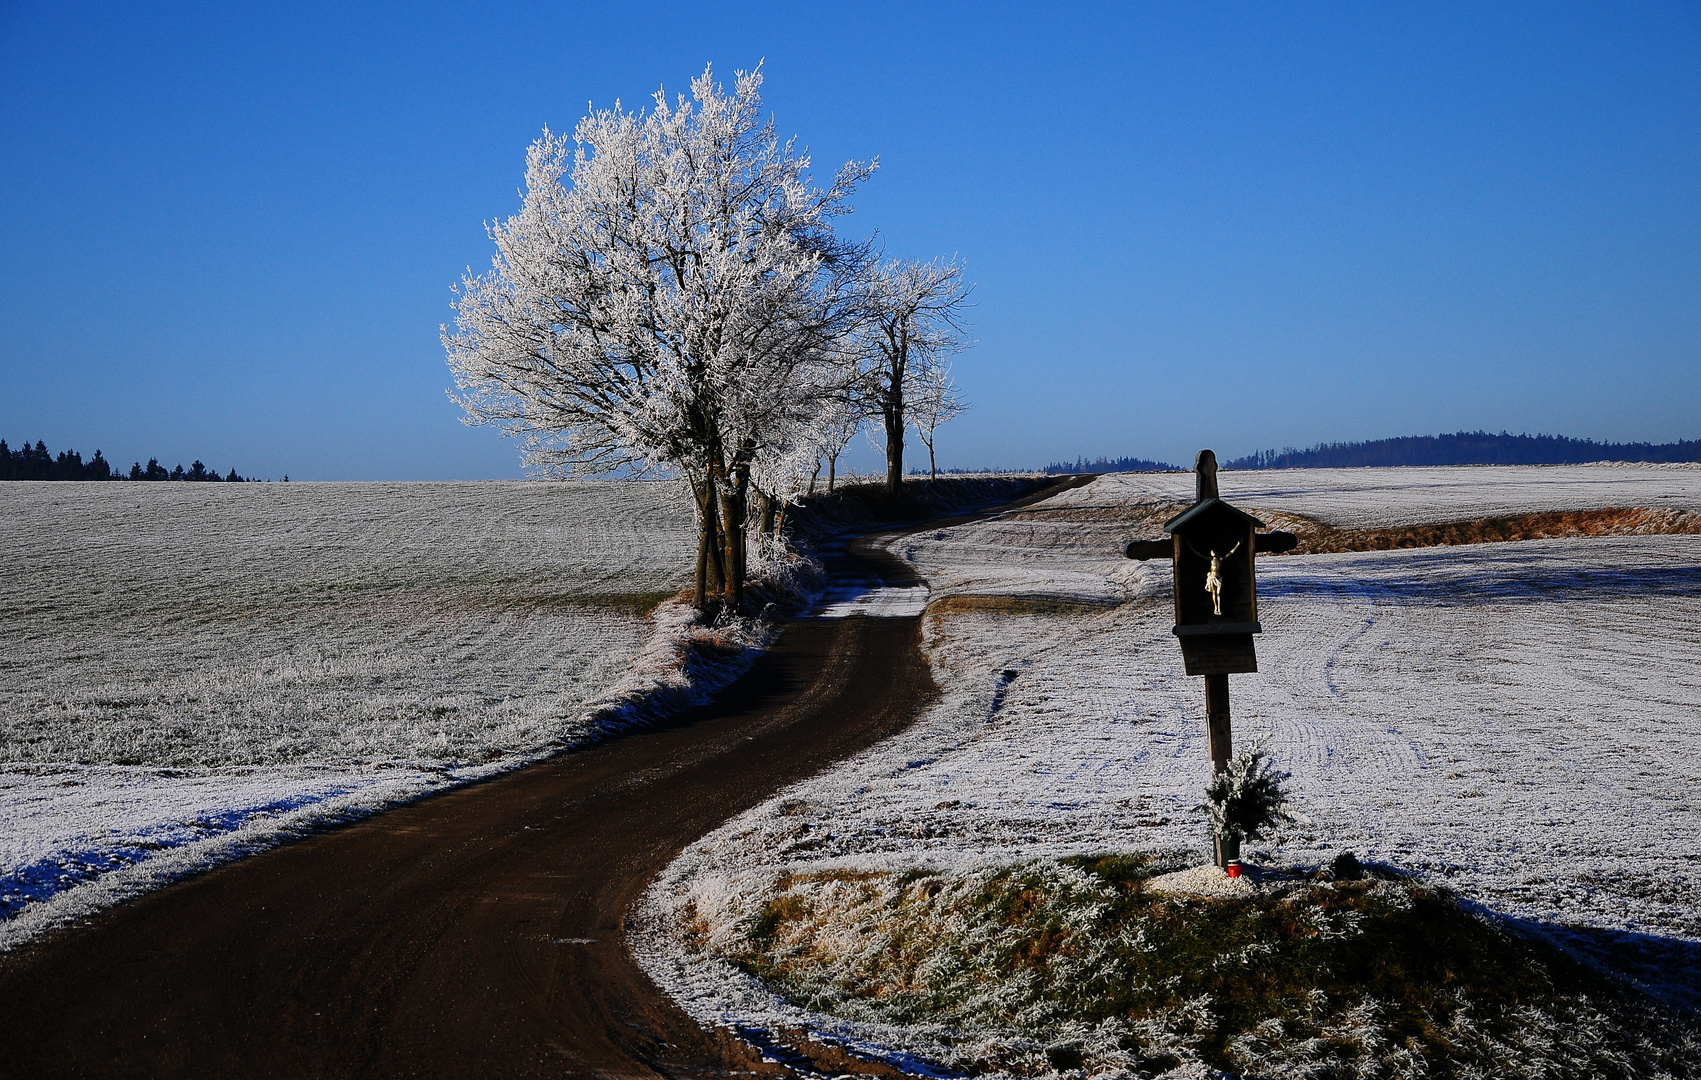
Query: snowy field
x,y
1513,720
1373,498
188,671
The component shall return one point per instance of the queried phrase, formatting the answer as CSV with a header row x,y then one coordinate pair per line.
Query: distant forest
x,y
1104,465
1460,448
35,463
1467,448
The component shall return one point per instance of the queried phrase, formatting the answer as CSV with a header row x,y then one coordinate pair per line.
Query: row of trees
x,y
196,471
1467,448
36,463
672,297
1109,465
1459,448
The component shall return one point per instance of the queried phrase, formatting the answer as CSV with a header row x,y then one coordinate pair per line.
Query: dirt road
x,y
476,933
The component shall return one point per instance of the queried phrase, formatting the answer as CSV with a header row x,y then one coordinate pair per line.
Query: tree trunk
x,y
700,595
932,469
717,561
895,448
700,591
710,572
832,470
813,475
732,537
892,410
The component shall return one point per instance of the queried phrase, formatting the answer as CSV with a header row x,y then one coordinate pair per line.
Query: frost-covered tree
x,y
912,319
665,300
779,473
934,400
840,420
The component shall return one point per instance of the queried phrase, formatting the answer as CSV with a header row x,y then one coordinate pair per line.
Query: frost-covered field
x,y
187,670
1370,498
1514,720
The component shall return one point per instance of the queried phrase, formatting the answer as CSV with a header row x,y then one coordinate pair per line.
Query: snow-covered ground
x,y
1375,498
1515,720
191,670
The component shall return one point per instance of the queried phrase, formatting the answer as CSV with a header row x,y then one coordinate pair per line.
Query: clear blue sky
x,y
232,234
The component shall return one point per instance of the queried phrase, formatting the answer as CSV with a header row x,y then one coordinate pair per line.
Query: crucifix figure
x,y
1214,578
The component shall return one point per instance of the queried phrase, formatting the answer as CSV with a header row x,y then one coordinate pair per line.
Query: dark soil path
x,y
476,933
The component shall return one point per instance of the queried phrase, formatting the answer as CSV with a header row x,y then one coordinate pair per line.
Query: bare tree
x,y
934,400
665,300
792,463
838,425
912,317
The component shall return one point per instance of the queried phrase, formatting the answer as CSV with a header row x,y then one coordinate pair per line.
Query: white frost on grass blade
x,y
192,671
270,624
1515,720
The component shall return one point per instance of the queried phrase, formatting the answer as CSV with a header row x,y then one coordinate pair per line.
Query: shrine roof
x,y
1206,508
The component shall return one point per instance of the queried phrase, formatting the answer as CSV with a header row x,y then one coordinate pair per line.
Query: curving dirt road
x,y
475,933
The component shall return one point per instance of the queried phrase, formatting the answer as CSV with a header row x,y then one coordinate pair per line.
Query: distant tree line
x,y
1466,448
35,463
1107,465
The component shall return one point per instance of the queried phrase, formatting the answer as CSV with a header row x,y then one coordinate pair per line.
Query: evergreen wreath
x,y
1247,800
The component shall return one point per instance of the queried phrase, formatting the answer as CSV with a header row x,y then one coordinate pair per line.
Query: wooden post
x,y
1205,475
1218,737
1219,742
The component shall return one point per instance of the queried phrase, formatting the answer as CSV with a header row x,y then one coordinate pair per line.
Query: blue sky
x,y
232,233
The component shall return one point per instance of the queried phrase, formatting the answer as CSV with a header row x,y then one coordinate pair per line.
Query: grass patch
x,y
1315,539
1045,963
1062,607
636,603
862,504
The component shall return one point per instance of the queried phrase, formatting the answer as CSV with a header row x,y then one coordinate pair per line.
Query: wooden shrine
x,y
1212,548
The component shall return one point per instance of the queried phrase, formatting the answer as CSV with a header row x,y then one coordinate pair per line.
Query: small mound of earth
x,y
1208,880
1348,970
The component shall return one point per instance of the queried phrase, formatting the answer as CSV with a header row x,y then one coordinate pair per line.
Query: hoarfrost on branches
x,y
935,401
912,320
671,296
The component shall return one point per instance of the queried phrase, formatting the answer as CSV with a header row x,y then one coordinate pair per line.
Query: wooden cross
x,y
1211,546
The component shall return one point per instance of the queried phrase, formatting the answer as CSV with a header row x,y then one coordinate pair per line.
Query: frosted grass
x,y
1512,720
1386,497
192,670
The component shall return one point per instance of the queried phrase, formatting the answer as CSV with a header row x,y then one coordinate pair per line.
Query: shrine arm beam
x,y
1150,549
1271,543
